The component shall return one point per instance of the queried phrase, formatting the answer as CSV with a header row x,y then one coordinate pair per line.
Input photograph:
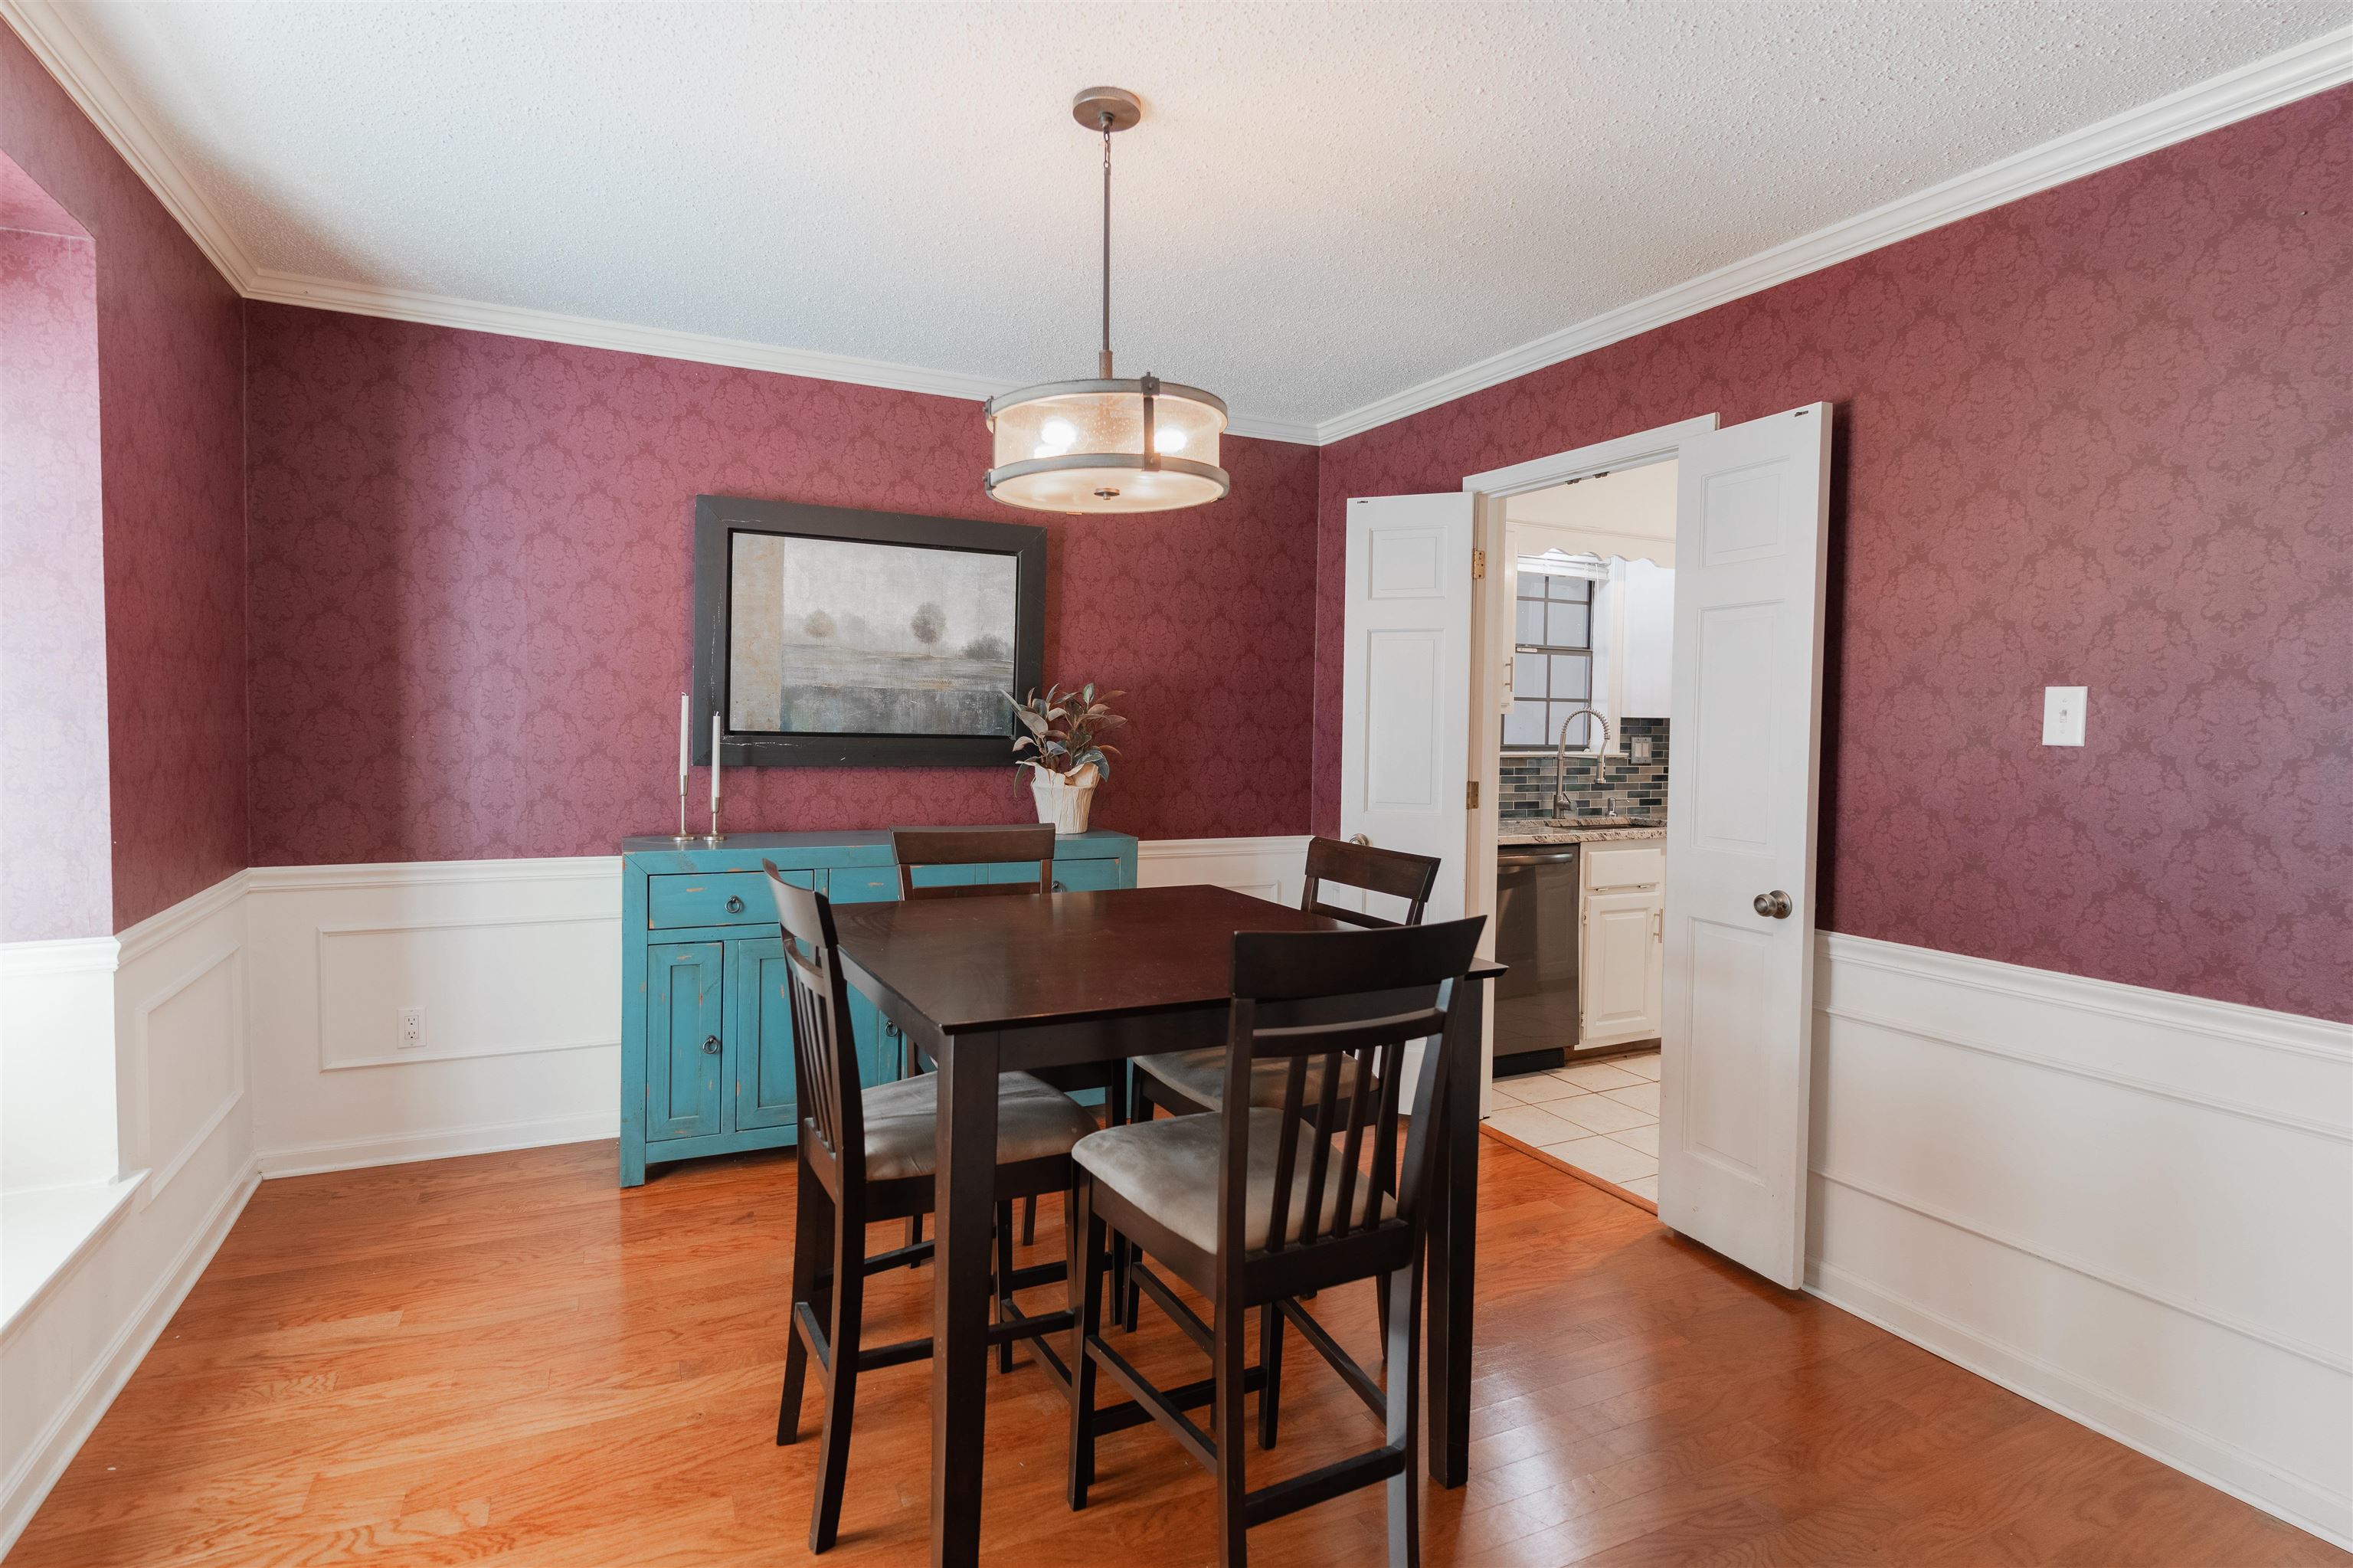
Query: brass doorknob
x,y
1360,839
1774,906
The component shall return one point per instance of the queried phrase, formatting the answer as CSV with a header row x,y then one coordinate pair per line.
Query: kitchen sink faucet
x,y
1560,755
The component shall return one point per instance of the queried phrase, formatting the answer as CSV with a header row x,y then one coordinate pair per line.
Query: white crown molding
x,y
50,35
2309,68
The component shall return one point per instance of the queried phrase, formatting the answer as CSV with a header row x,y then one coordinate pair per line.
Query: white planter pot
x,y
1064,798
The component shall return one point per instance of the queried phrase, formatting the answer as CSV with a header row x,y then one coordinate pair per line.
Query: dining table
x,y
1027,981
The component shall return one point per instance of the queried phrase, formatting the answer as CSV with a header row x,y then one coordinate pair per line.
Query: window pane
x,y
1523,725
1572,676
1567,624
1530,627
1572,590
1528,675
1580,730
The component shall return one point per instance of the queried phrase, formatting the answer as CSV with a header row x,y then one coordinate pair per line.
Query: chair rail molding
x,y
2131,1206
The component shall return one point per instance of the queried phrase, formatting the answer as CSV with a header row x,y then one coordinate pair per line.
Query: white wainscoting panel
x,y
515,966
178,1098
56,1061
1271,868
2134,1207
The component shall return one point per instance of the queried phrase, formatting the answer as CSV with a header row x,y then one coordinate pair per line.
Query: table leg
x,y
1453,1252
966,1182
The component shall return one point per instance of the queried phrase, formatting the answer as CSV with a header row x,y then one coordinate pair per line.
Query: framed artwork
x,y
831,638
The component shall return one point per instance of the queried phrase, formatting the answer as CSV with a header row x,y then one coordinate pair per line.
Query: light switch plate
x,y
2062,715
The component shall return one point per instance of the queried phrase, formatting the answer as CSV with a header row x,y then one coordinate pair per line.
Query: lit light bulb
x,y
1166,440
1059,433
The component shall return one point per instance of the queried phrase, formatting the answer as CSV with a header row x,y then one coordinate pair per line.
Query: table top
x,y
976,964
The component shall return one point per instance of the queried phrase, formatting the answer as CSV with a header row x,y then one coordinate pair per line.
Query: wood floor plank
x,y
507,1360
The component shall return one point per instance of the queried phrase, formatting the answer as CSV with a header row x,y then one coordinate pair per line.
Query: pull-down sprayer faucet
x,y
1560,755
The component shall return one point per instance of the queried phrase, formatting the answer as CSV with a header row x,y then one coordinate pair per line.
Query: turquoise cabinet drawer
x,y
862,883
727,898
1086,876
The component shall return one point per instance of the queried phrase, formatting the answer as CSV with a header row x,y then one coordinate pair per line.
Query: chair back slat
x,y
914,847
1369,870
1356,1059
825,1055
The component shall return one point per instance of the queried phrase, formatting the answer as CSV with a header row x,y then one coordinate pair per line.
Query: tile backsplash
x,y
1641,786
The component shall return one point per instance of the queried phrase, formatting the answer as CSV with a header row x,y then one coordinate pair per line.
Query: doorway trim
x,y
1488,613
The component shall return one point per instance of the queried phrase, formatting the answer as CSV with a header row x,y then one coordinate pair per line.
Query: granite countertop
x,y
1545,833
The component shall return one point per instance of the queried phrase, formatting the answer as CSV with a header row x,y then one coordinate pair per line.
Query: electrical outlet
x,y
2062,715
412,1028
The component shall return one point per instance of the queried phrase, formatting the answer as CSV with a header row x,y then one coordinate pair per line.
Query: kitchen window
x,y
1552,663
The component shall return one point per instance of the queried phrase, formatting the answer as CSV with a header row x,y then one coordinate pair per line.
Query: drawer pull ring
x,y
734,905
711,1044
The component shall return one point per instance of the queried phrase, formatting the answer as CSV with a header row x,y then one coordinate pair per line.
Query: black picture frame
x,y
718,518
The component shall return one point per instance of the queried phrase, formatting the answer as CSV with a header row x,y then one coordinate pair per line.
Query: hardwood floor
x,y
507,1360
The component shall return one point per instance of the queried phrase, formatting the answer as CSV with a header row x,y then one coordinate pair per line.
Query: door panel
x,y
1751,521
685,1029
1619,967
762,1055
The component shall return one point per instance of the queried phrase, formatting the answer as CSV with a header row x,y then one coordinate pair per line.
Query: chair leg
x,y
841,1389
1029,1220
1005,1280
812,1222
1403,1298
908,1066
1269,1360
1086,1270
1230,1341
1381,1306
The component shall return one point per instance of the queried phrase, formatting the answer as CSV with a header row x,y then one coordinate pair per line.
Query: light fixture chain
x,y
1103,367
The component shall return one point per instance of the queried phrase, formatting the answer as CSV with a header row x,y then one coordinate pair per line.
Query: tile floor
x,y
1600,1116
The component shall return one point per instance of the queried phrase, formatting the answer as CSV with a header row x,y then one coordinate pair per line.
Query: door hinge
x,y
1471,796
1478,565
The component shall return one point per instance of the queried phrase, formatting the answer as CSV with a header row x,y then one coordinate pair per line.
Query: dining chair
x,y
1256,1206
871,1156
1190,1082
916,848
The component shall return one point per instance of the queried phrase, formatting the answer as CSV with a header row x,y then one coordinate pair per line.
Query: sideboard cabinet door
x,y
686,1024
763,1036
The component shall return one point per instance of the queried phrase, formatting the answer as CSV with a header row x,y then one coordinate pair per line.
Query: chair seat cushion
x,y
1200,1077
1168,1169
1034,1120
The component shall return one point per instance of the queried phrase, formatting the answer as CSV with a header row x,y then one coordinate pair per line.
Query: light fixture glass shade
x,y
1079,446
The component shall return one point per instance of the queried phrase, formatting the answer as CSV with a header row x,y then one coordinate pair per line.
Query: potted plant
x,y
1064,731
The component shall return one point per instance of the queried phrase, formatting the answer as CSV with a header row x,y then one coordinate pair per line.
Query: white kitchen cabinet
x,y
1623,943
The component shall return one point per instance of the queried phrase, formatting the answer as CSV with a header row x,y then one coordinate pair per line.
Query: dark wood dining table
x,y
987,986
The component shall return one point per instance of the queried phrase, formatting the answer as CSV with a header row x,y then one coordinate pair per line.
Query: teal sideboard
x,y
706,1033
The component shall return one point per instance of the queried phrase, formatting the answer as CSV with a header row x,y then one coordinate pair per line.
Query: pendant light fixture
x,y
1105,444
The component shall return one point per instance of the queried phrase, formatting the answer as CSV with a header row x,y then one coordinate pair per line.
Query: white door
x,y
1405,709
1751,514
1619,980
1405,692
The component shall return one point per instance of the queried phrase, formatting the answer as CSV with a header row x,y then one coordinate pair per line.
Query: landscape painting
x,y
831,636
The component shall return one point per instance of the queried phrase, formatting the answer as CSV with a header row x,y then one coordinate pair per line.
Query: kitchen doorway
x,y
1429,644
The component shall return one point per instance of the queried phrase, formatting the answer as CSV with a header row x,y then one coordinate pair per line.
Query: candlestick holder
x,y
714,836
683,836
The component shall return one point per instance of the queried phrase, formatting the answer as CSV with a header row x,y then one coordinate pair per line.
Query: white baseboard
x,y
2137,1426
2133,1207
32,1474
493,1138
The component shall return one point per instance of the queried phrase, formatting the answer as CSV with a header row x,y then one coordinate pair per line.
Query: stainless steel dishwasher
x,y
1537,1004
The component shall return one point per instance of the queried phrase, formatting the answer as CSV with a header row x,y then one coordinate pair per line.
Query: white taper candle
x,y
685,741
714,772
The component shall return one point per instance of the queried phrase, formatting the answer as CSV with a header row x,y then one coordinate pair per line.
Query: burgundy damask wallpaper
x,y
2101,436
471,566
172,437
55,880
